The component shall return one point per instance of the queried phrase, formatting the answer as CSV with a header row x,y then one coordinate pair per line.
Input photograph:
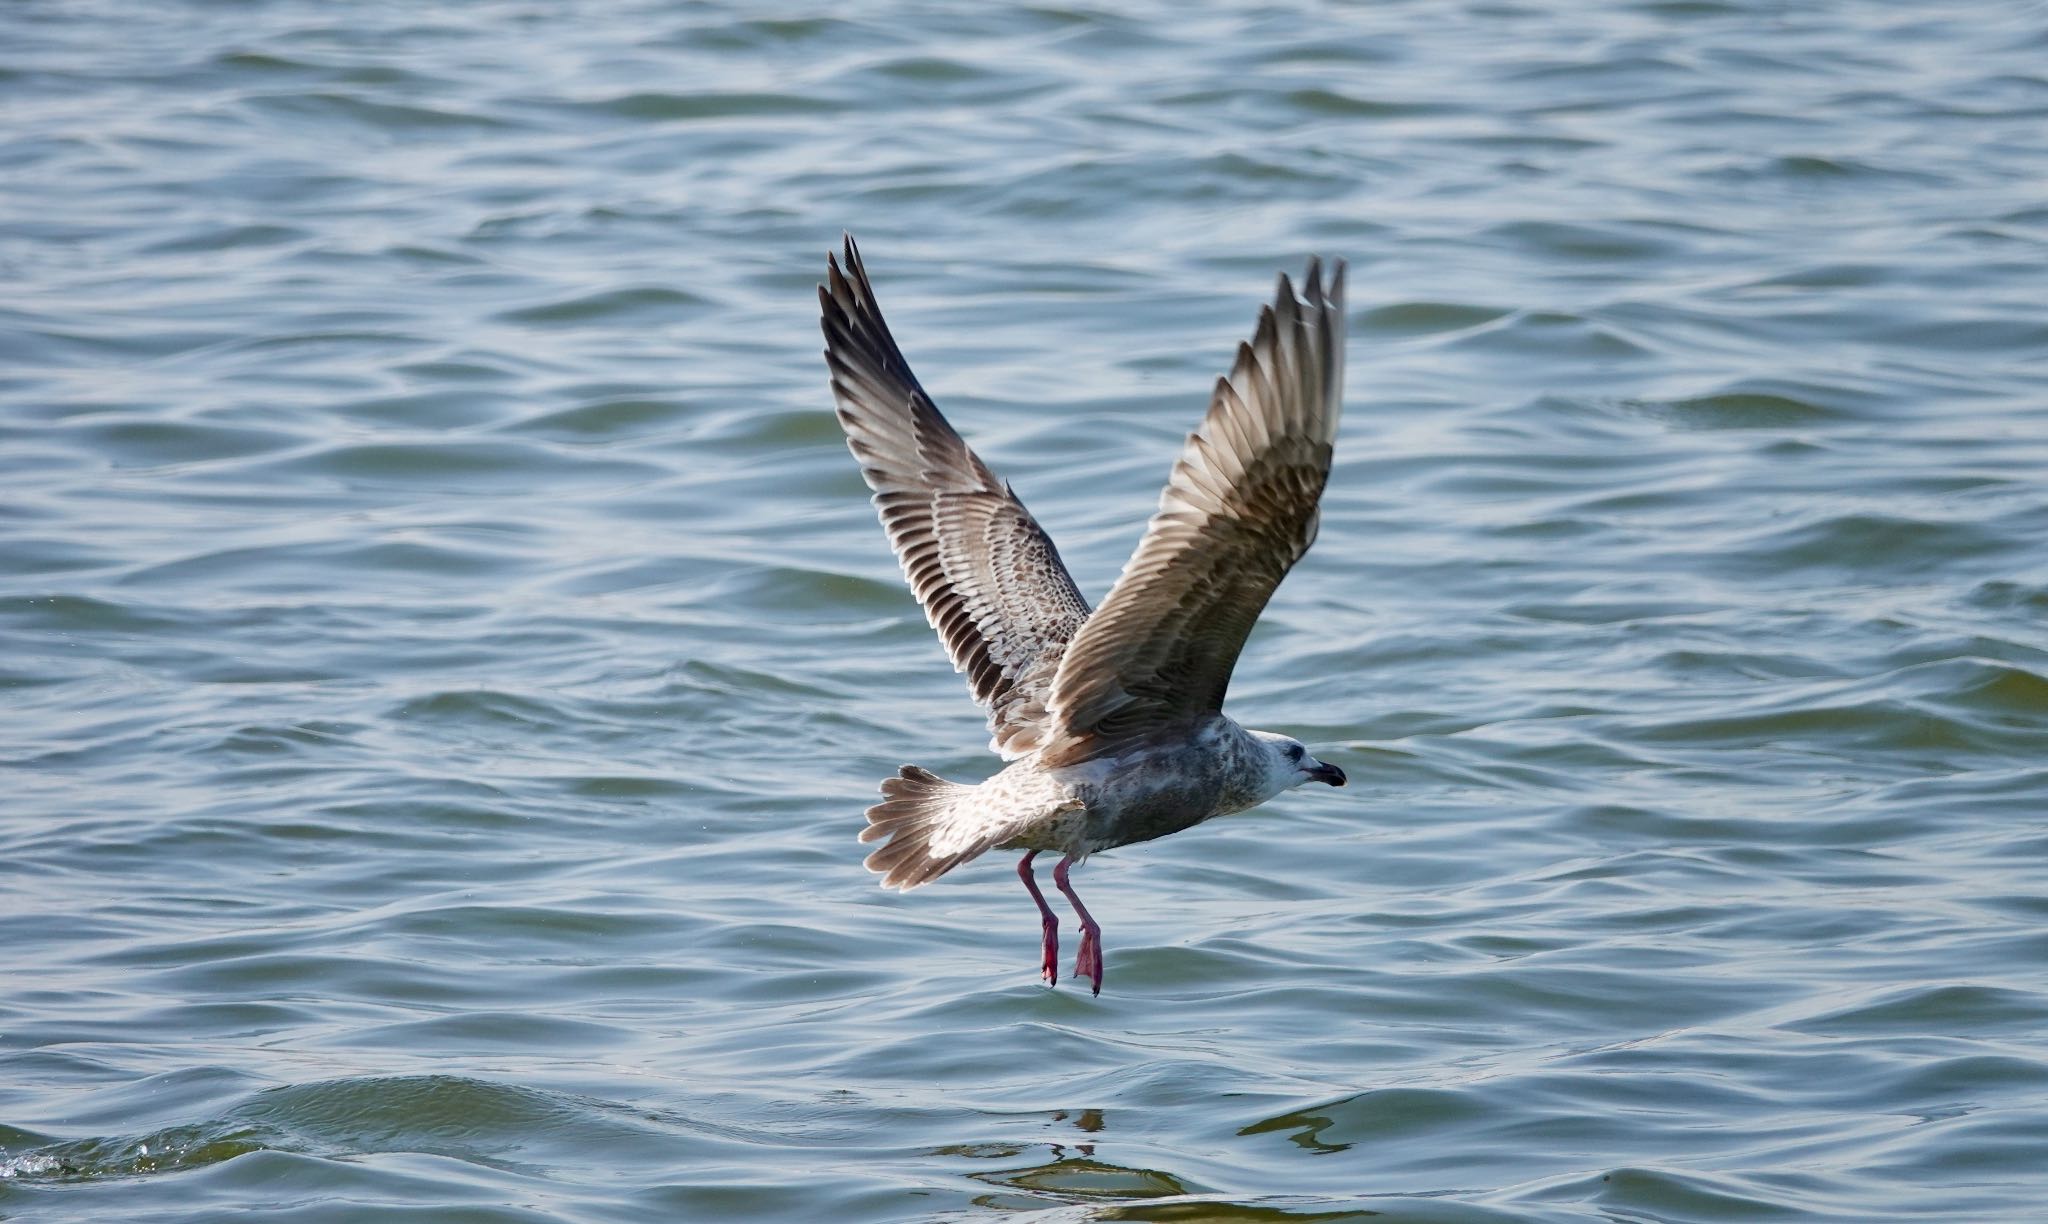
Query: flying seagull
x,y
1111,720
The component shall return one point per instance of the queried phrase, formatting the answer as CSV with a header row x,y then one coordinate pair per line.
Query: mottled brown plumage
x,y
1239,510
1112,721
989,578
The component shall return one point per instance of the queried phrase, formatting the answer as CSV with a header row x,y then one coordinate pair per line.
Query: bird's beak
x,y
1327,773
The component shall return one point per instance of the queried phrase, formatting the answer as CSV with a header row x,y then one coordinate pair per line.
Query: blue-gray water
x,y
446,650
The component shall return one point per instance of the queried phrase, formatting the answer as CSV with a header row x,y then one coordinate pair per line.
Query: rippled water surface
x,y
446,650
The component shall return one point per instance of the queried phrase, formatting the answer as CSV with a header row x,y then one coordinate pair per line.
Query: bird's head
x,y
1288,764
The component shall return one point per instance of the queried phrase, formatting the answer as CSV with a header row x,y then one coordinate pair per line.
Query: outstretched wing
x,y
1238,512
989,578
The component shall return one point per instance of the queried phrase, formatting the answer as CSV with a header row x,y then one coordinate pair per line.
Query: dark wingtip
x,y
847,257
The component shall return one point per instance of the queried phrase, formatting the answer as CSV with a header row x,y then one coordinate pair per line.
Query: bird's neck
x,y
1247,765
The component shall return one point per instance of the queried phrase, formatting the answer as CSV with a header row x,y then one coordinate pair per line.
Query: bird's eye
x,y
1294,753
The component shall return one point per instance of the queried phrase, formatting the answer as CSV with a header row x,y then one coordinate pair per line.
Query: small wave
x,y
164,1151
1957,1010
1649,1193
612,307
1735,410
464,465
482,706
274,740
658,106
1552,334
1427,318
369,113
1084,1179
475,1120
1335,102
1403,1114
1579,241
766,33
1875,541
217,236
622,419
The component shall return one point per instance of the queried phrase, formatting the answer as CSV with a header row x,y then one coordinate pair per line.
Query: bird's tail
x,y
927,838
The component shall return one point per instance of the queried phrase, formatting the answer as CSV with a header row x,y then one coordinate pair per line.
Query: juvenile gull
x,y
1112,720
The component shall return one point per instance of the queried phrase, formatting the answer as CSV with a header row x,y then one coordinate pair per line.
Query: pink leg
x,y
1089,963
1049,967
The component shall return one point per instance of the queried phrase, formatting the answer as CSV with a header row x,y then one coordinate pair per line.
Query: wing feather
x,y
988,576
1239,510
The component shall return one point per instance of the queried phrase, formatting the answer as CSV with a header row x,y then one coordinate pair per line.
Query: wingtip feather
x,y
1179,612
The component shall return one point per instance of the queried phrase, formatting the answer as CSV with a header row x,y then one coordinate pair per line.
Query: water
x,y
446,650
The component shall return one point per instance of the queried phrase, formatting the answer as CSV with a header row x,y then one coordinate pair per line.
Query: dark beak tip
x,y
1329,773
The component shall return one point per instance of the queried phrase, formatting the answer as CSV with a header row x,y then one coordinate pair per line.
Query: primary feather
x,y
989,578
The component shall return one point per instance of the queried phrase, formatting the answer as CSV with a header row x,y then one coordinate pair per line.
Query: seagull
x,y
1110,720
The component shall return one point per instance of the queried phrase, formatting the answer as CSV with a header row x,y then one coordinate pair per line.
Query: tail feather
x,y
916,804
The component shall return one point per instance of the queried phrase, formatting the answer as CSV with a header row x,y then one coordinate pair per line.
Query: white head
x,y
1288,764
